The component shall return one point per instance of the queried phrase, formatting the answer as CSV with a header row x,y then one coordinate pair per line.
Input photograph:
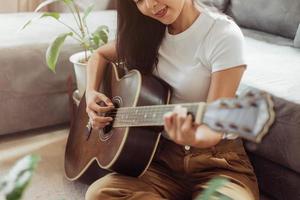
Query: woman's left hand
x,y
180,127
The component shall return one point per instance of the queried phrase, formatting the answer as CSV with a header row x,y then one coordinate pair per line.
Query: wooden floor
x,y
48,181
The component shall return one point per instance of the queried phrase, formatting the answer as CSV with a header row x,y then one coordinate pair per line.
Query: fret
x,y
147,115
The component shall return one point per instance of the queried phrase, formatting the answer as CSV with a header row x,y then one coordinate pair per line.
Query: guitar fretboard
x,y
147,115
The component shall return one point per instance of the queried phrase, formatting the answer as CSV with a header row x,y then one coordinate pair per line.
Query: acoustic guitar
x,y
129,143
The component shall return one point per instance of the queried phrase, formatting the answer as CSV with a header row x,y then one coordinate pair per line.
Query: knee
x,y
95,191
92,195
110,186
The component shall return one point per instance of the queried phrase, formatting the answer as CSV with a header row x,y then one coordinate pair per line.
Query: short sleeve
x,y
226,49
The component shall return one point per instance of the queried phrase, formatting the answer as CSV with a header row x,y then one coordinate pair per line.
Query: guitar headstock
x,y
249,116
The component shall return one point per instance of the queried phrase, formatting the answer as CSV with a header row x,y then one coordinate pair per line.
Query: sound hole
x,y
104,136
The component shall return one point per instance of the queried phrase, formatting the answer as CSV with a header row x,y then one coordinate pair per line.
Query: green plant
x,y
211,192
16,181
87,40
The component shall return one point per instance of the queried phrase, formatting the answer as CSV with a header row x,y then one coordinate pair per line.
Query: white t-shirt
x,y
187,60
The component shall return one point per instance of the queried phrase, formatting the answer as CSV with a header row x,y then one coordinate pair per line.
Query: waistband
x,y
223,146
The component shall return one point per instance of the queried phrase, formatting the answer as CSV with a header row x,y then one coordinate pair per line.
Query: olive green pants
x,y
180,174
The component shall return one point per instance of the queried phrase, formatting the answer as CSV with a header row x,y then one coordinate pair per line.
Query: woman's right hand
x,y
97,104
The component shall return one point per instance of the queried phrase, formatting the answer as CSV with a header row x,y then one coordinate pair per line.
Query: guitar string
x,y
134,119
153,107
143,109
141,112
140,117
125,110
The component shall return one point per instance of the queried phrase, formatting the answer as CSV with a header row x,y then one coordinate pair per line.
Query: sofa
x,y
272,33
31,96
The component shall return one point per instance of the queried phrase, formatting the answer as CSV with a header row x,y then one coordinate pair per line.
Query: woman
x,y
200,55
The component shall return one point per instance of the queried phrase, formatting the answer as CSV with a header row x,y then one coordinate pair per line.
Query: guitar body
x,y
127,151
128,145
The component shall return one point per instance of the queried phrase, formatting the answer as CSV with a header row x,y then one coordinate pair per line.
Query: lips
x,y
161,12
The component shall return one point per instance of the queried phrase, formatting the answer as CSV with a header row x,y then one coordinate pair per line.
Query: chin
x,y
167,21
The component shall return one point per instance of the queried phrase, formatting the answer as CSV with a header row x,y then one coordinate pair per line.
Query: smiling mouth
x,y
162,12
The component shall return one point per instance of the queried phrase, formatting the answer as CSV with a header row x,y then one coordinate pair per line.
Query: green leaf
x,y
46,14
15,182
54,49
55,15
67,1
211,190
87,12
26,24
44,3
96,40
101,33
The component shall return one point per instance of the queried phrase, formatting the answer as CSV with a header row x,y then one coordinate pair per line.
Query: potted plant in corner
x,y
89,41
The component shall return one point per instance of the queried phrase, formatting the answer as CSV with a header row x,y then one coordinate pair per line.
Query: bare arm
x,y
95,70
97,64
223,84
183,131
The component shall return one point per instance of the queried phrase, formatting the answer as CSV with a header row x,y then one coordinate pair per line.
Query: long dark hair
x,y
138,37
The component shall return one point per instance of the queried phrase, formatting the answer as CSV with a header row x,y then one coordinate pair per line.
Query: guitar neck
x,y
152,115
248,116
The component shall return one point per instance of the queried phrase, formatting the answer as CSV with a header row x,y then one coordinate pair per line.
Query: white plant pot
x,y
80,71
